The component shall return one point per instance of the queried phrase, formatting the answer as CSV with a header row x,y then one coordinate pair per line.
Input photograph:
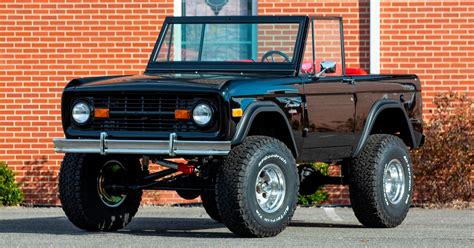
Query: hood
x,y
145,83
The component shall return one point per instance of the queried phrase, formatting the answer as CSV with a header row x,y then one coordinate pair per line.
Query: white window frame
x,y
178,7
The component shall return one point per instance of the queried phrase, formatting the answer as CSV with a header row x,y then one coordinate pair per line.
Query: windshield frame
x,y
290,68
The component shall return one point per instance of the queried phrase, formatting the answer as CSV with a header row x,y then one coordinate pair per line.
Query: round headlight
x,y
81,112
202,114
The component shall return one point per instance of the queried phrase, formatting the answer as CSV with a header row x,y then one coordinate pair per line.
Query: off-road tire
x,y
368,198
208,199
235,187
80,198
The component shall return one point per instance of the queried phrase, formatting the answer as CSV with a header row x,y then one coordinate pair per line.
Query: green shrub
x,y
442,167
320,195
10,193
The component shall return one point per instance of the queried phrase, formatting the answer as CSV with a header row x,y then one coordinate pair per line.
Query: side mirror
x,y
326,67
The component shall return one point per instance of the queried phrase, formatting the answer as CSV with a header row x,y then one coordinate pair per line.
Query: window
x,y
270,44
327,42
218,7
229,42
240,40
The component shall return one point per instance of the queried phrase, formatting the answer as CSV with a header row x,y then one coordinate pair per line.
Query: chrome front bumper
x,y
171,147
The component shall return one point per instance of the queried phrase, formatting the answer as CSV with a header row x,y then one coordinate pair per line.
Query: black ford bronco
x,y
235,110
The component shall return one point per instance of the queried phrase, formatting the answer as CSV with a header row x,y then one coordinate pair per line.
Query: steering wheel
x,y
268,56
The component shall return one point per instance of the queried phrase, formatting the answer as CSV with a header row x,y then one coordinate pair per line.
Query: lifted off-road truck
x,y
236,109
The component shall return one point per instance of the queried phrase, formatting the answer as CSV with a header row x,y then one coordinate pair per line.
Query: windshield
x,y
262,42
229,44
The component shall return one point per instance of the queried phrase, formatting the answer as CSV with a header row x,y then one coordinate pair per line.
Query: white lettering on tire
x,y
280,217
409,179
271,156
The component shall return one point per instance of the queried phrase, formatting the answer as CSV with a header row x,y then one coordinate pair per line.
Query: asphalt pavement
x,y
191,227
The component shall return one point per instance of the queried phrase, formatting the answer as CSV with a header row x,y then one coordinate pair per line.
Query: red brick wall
x,y
46,43
433,39
43,45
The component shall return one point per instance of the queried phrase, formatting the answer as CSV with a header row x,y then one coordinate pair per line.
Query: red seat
x,y
355,71
307,67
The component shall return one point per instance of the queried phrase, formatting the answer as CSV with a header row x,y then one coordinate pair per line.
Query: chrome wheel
x,y
394,181
270,188
112,172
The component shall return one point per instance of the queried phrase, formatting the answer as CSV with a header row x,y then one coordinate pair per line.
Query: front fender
x,y
252,110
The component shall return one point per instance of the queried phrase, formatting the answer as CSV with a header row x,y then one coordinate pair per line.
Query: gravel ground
x,y
191,227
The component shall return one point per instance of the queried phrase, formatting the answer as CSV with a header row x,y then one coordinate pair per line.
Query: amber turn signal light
x,y
237,112
101,113
182,114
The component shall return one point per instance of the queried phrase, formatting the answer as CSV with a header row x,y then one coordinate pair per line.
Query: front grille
x,y
143,112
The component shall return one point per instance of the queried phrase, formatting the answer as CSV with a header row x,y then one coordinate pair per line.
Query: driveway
x,y
190,227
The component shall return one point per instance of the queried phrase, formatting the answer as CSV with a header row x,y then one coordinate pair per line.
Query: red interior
x,y
355,71
307,67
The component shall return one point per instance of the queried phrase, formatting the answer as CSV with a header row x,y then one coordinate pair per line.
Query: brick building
x,y
46,43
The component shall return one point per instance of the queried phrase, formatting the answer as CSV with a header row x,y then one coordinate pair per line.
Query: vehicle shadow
x,y
323,225
177,227
141,226
154,226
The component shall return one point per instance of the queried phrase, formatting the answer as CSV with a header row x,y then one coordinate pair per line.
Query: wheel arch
x,y
254,119
389,117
